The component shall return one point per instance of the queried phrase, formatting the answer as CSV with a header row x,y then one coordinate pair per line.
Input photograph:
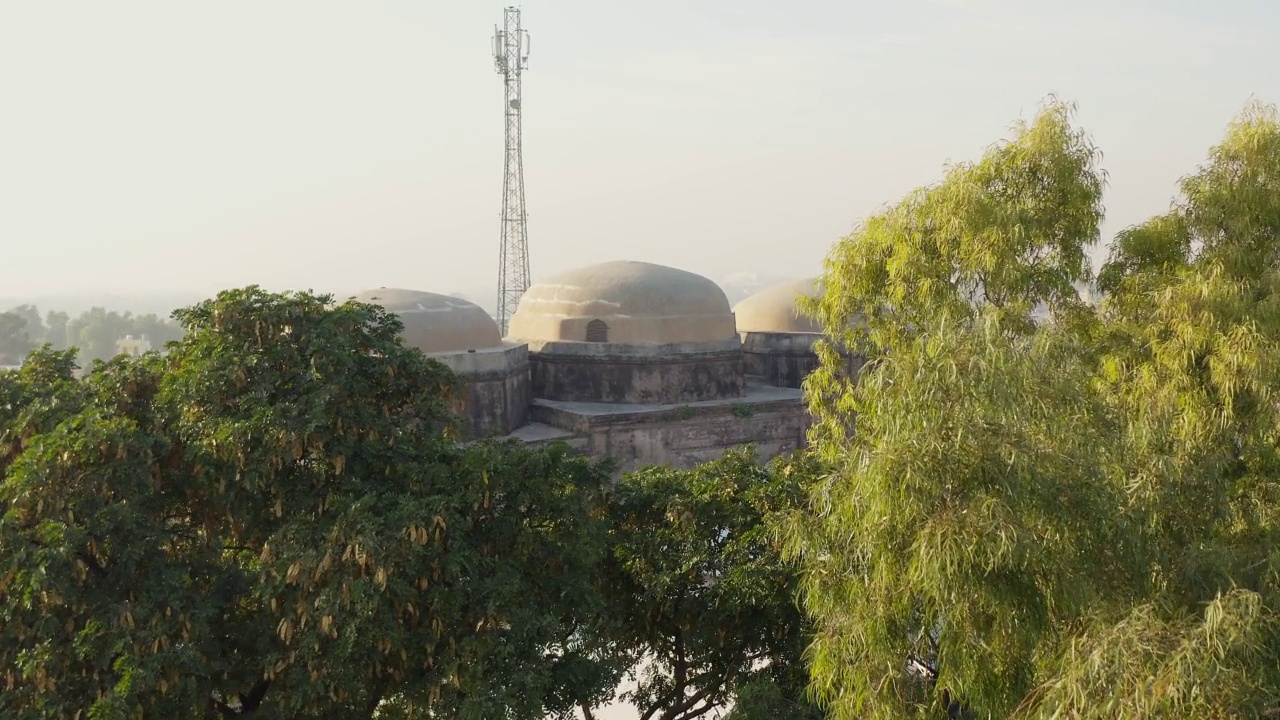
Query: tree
x,y
56,329
1190,345
700,603
765,698
36,330
1066,519
15,342
936,550
274,513
96,331
156,329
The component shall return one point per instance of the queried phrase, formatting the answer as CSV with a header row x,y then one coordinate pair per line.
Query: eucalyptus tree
x,y
938,513
274,515
1071,518
1190,359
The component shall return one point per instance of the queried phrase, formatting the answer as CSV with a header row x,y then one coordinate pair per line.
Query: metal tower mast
x,y
511,57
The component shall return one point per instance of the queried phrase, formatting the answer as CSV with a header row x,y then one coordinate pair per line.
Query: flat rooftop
x,y
539,432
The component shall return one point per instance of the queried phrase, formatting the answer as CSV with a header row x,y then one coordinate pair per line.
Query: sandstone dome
x,y
624,302
774,309
437,323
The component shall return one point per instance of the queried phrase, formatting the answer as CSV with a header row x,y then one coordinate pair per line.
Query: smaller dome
x,y
775,310
437,323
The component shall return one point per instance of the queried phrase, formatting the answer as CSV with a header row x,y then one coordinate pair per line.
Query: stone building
x,y
462,336
639,362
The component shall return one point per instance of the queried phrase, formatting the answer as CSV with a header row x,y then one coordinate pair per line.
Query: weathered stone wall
x,y
497,392
625,329
640,374
774,420
785,359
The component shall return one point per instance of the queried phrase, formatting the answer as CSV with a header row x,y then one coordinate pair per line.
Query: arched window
x,y
597,331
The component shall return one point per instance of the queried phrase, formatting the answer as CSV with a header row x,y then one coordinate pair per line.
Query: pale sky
x,y
182,146
191,146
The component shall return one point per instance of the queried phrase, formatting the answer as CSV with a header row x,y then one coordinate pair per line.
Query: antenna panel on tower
x,y
499,49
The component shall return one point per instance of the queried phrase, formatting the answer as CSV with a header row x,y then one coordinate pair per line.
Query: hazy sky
x,y
182,146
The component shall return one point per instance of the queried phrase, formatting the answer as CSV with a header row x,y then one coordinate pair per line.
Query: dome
x,y
437,323
774,309
624,302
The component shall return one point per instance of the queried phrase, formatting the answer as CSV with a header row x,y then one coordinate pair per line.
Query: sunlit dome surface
x,y
775,309
437,323
624,302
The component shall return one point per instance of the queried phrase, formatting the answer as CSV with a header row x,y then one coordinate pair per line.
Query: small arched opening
x,y
597,331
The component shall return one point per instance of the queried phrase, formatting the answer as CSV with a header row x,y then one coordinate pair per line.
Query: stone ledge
x,y
552,350
502,360
579,417
779,343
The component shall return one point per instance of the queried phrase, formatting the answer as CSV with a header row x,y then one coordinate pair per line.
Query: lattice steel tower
x,y
511,58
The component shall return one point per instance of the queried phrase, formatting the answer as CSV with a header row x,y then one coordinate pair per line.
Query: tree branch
x,y
93,564
375,698
685,710
681,665
248,702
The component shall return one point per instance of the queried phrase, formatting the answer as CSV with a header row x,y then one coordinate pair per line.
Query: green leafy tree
x,y
1190,359
15,342
700,601
1063,519
273,515
950,538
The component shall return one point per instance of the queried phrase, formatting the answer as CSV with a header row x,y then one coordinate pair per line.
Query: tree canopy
x,y
15,338
1026,505
273,512
94,332
1067,514
701,606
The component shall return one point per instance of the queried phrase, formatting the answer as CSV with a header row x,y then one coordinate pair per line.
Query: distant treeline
x,y
94,332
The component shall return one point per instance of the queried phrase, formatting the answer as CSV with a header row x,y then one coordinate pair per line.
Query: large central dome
x,y
624,302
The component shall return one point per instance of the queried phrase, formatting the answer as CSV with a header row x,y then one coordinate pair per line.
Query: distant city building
x,y
130,345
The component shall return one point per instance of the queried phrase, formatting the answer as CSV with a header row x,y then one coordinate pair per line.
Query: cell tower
x,y
511,58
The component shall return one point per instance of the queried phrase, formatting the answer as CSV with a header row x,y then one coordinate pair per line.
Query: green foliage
x,y
764,699
274,506
700,601
1191,357
1006,233
1073,519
